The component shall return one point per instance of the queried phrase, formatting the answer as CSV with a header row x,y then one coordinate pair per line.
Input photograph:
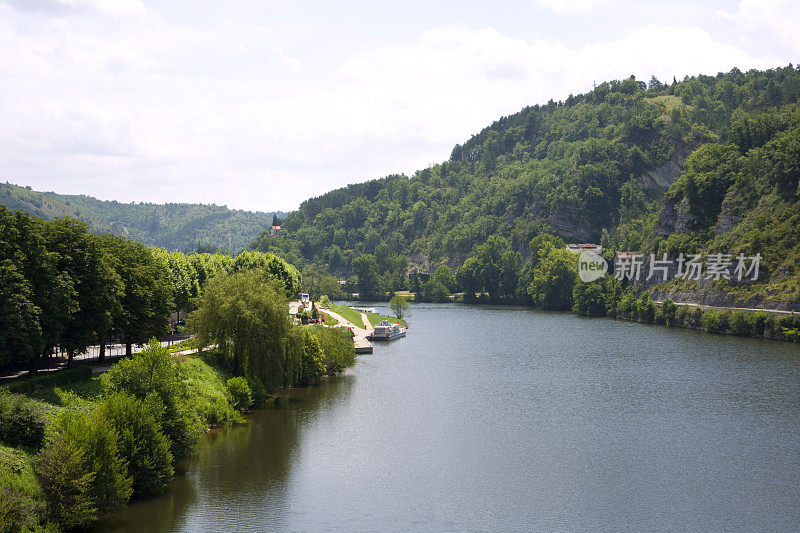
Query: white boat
x,y
387,331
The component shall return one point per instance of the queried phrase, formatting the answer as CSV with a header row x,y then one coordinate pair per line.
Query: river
x,y
497,418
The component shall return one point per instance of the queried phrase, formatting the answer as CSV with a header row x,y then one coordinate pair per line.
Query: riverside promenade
x,y
360,335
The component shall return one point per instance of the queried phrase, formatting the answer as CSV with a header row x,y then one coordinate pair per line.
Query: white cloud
x,y
770,18
138,108
565,6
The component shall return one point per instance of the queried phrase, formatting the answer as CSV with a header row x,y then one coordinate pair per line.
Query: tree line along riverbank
x,y
75,447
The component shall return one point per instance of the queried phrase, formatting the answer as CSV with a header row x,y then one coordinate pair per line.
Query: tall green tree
x,y
147,297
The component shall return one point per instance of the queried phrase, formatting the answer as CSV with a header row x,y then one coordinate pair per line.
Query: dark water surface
x,y
495,418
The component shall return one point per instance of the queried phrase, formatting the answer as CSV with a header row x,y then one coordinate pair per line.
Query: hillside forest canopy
x,y
707,163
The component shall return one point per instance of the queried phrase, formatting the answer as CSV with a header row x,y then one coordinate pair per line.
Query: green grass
x,y
90,389
208,390
669,102
329,320
350,314
375,319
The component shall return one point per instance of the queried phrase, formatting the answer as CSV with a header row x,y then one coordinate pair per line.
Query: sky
x,y
260,105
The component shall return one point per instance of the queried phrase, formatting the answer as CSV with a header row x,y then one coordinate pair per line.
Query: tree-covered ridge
x,y
175,226
593,167
742,197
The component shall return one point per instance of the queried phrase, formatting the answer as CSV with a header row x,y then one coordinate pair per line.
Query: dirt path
x,y
749,309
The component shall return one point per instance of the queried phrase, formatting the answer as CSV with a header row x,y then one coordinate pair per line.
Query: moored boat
x,y
387,331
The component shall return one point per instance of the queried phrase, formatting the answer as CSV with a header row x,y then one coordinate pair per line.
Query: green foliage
x,y
67,483
594,298
22,503
110,486
399,306
714,321
240,392
51,379
337,345
174,226
553,280
142,443
154,372
306,350
246,317
22,422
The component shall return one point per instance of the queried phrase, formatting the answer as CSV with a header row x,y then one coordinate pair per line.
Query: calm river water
x,y
492,418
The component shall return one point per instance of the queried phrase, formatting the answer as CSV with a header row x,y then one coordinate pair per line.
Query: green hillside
x,y
596,167
184,227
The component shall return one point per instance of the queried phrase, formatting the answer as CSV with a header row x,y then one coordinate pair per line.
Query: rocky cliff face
x,y
673,218
567,220
662,176
728,216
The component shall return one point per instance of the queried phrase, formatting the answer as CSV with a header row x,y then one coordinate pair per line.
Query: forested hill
x,y
593,168
175,226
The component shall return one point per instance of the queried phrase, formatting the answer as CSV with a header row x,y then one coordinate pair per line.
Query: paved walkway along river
x,y
360,335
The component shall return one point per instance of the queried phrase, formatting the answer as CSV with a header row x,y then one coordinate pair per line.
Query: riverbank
x,y
615,426
193,394
771,324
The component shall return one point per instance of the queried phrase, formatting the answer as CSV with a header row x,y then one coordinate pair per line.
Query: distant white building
x,y
585,247
274,230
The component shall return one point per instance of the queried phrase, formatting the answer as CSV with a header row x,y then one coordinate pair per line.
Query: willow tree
x,y
245,314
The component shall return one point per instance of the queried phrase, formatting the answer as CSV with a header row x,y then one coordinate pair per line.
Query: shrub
x,y
337,345
668,311
680,316
142,443
759,321
22,503
22,422
310,357
645,309
50,379
155,371
111,486
209,397
742,323
716,321
240,393
67,483
791,334
626,308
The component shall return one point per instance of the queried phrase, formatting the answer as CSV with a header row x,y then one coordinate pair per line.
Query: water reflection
x,y
488,418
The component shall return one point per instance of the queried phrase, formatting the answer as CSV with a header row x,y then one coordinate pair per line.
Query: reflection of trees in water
x,y
238,470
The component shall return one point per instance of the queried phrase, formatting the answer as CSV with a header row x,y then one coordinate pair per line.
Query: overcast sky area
x,y
259,105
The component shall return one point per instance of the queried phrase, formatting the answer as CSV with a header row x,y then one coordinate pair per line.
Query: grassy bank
x,y
349,313
71,452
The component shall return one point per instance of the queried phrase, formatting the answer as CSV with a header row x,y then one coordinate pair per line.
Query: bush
x,y
240,393
142,443
759,323
209,398
627,306
668,312
680,316
645,309
22,422
155,371
111,486
742,323
67,483
50,379
22,503
337,345
306,351
716,321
